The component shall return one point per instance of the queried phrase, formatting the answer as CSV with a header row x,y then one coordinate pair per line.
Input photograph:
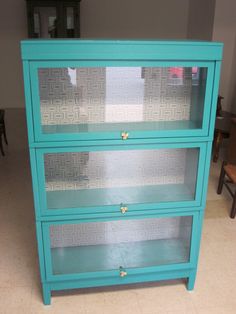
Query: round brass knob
x,y
123,209
124,135
123,273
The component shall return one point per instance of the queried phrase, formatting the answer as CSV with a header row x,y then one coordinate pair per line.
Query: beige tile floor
x,y
19,278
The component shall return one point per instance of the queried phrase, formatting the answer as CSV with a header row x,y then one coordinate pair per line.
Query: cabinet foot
x,y
191,282
46,294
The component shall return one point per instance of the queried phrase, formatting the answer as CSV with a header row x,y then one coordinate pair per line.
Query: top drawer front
x,y
105,100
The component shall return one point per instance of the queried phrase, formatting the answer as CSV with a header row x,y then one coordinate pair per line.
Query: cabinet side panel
x,y
28,103
206,173
34,175
41,253
214,97
35,187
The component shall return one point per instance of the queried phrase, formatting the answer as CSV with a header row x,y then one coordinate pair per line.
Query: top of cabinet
x,y
80,49
114,90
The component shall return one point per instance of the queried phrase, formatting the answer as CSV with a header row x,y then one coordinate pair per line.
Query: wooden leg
x,y
46,294
233,210
191,281
221,179
5,134
217,143
1,147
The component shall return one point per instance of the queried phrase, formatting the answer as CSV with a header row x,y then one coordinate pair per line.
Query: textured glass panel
x,y
45,22
70,23
109,98
114,177
110,245
69,18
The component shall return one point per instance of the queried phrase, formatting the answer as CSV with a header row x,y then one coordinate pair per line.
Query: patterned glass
x,y
112,177
116,245
106,96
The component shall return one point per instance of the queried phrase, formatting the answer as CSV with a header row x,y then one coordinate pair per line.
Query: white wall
x,y
99,18
201,19
225,31
126,19
13,28
134,18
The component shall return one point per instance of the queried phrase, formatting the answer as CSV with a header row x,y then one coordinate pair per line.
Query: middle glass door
x,y
112,179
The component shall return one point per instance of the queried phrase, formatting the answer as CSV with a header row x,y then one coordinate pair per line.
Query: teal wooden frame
x,y
52,282
89,53
115,273
120,50
116,208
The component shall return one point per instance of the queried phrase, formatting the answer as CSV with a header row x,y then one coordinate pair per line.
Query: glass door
x,y
116,180
116,247
45,21
82,101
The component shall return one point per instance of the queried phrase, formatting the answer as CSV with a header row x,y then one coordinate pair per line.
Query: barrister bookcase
x,y
120,136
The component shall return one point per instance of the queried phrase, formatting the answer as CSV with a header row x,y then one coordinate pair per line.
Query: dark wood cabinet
x,y
53,19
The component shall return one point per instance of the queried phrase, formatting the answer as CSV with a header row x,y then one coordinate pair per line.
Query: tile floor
x,y
19,278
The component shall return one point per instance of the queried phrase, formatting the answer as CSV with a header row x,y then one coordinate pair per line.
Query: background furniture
x,y
2,130
222,131
219,106
120,136
53,19
228,169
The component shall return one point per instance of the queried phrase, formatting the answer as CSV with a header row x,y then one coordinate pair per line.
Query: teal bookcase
x,y
120,136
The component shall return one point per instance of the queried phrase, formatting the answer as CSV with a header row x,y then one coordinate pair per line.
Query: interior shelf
x,y
118,127
124,195
91,258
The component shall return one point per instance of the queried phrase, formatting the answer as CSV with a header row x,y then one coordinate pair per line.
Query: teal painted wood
x,y
109,281
197,222
110,210
207,165
93,53
74,63
93,275
35,185
146,126
72,202
137,130
195,247
41,255
191,280
46,293
29,106
120,50
122,143
90,198
214,98
189,263
101,216
83,259
159,130
208,99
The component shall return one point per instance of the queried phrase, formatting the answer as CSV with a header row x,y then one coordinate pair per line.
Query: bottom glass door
x,y
103,246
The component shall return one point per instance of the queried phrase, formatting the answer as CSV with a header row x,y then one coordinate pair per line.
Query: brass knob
x,y
123,209
123,273
124,135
